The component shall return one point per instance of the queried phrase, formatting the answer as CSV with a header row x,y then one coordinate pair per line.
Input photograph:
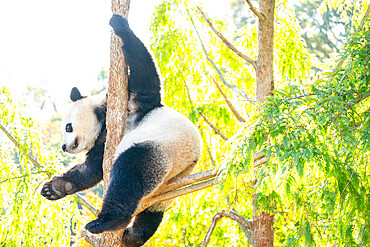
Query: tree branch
x,y
260,162
185,185
147,202
258,155
235,88
232,215
185,181
90,207
367,13
228,102
207,238
93,239
226,42
217,131
257,13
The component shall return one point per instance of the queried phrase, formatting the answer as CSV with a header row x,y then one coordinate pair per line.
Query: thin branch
x,y
260,162
90,207
258,155
226,42
217,131
300,96
235,88
366,15
257,13
16,143
207,238
232,215
229,104
210,155
8,179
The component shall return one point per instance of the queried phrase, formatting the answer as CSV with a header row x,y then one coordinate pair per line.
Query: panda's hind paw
x,y
96,226
101,225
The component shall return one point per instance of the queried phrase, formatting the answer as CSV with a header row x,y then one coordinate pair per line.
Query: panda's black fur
x,y
158,145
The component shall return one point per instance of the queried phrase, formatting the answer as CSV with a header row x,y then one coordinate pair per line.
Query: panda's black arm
x,y
86,174
79,177
143,79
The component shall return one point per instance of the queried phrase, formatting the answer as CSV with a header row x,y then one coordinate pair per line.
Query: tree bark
x,y
116,111
263,228
263,222
265,57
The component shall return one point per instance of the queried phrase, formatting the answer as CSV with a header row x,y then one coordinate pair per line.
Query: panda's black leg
x,y
136,172
143,227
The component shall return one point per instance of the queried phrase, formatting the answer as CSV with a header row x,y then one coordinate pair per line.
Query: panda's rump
x,y
176,137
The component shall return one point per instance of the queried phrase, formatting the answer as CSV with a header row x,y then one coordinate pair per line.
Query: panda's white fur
x,y
176,135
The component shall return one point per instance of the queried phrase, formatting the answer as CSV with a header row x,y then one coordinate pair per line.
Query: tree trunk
x,y
116,111
265,57
263,222
263,228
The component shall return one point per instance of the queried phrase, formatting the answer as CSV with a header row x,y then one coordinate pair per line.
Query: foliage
x,y
324,33
317,140
26,218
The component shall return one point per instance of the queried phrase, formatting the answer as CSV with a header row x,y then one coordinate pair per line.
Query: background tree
x,y
323,32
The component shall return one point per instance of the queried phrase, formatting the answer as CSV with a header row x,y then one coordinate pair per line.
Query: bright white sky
x,y
61,44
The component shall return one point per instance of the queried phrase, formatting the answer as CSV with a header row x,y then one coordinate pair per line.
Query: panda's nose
x,y
64,147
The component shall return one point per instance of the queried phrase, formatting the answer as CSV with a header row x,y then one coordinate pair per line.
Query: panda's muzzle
x,y
66,149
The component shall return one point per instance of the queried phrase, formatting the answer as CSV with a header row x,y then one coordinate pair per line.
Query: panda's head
x,y
83,122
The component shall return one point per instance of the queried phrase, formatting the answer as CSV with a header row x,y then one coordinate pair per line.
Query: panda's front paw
x,y
119,24
56,188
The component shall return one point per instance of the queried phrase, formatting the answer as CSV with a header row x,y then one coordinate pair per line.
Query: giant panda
x,y
159,144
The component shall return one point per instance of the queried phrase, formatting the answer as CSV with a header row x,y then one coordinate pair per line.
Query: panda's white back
x,y
175,135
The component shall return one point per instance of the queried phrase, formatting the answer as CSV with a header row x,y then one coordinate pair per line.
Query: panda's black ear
x,y
75,94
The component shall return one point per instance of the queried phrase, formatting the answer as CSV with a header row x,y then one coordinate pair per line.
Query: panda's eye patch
x,y
69,127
